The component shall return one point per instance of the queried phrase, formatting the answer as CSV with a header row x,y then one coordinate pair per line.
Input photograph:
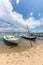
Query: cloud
x,y
17,1
31,13
15,18
32,23
39,14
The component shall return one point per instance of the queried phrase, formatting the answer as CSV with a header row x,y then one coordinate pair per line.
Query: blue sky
x,y
25,7
16,14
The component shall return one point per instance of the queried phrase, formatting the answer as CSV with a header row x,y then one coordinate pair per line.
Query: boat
x,y
10,40
29,37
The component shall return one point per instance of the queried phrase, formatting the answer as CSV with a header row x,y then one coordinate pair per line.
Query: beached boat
x,y
29,37
11,40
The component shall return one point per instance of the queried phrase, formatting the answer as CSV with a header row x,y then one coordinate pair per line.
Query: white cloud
x,y
17,1
31,13
16,18
39,14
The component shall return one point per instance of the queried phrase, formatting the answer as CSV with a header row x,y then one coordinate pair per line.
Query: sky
x,y
16,15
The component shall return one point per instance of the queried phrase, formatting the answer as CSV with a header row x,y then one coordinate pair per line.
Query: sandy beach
x,y
22,55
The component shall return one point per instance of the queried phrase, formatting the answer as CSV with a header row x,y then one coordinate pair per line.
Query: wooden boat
x,y
29,37
11,40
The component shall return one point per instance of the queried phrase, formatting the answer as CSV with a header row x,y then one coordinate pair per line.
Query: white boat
x,y
11,40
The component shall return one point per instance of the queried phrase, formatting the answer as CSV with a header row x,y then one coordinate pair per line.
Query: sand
x,y
22,55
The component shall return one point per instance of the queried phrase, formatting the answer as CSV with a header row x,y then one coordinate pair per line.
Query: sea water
x,y
23,42
11,33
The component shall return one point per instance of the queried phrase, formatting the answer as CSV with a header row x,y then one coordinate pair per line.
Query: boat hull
x,y
9,43
28,38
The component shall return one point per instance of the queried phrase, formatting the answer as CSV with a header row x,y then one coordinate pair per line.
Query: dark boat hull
x,y
9,43
28,38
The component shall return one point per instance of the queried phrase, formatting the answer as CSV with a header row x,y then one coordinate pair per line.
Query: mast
x,y
28,30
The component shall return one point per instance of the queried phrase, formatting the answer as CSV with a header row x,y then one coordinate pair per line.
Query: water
x,y
10,33
22,42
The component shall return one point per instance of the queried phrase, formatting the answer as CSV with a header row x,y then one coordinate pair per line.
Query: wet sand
x,y
22,54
